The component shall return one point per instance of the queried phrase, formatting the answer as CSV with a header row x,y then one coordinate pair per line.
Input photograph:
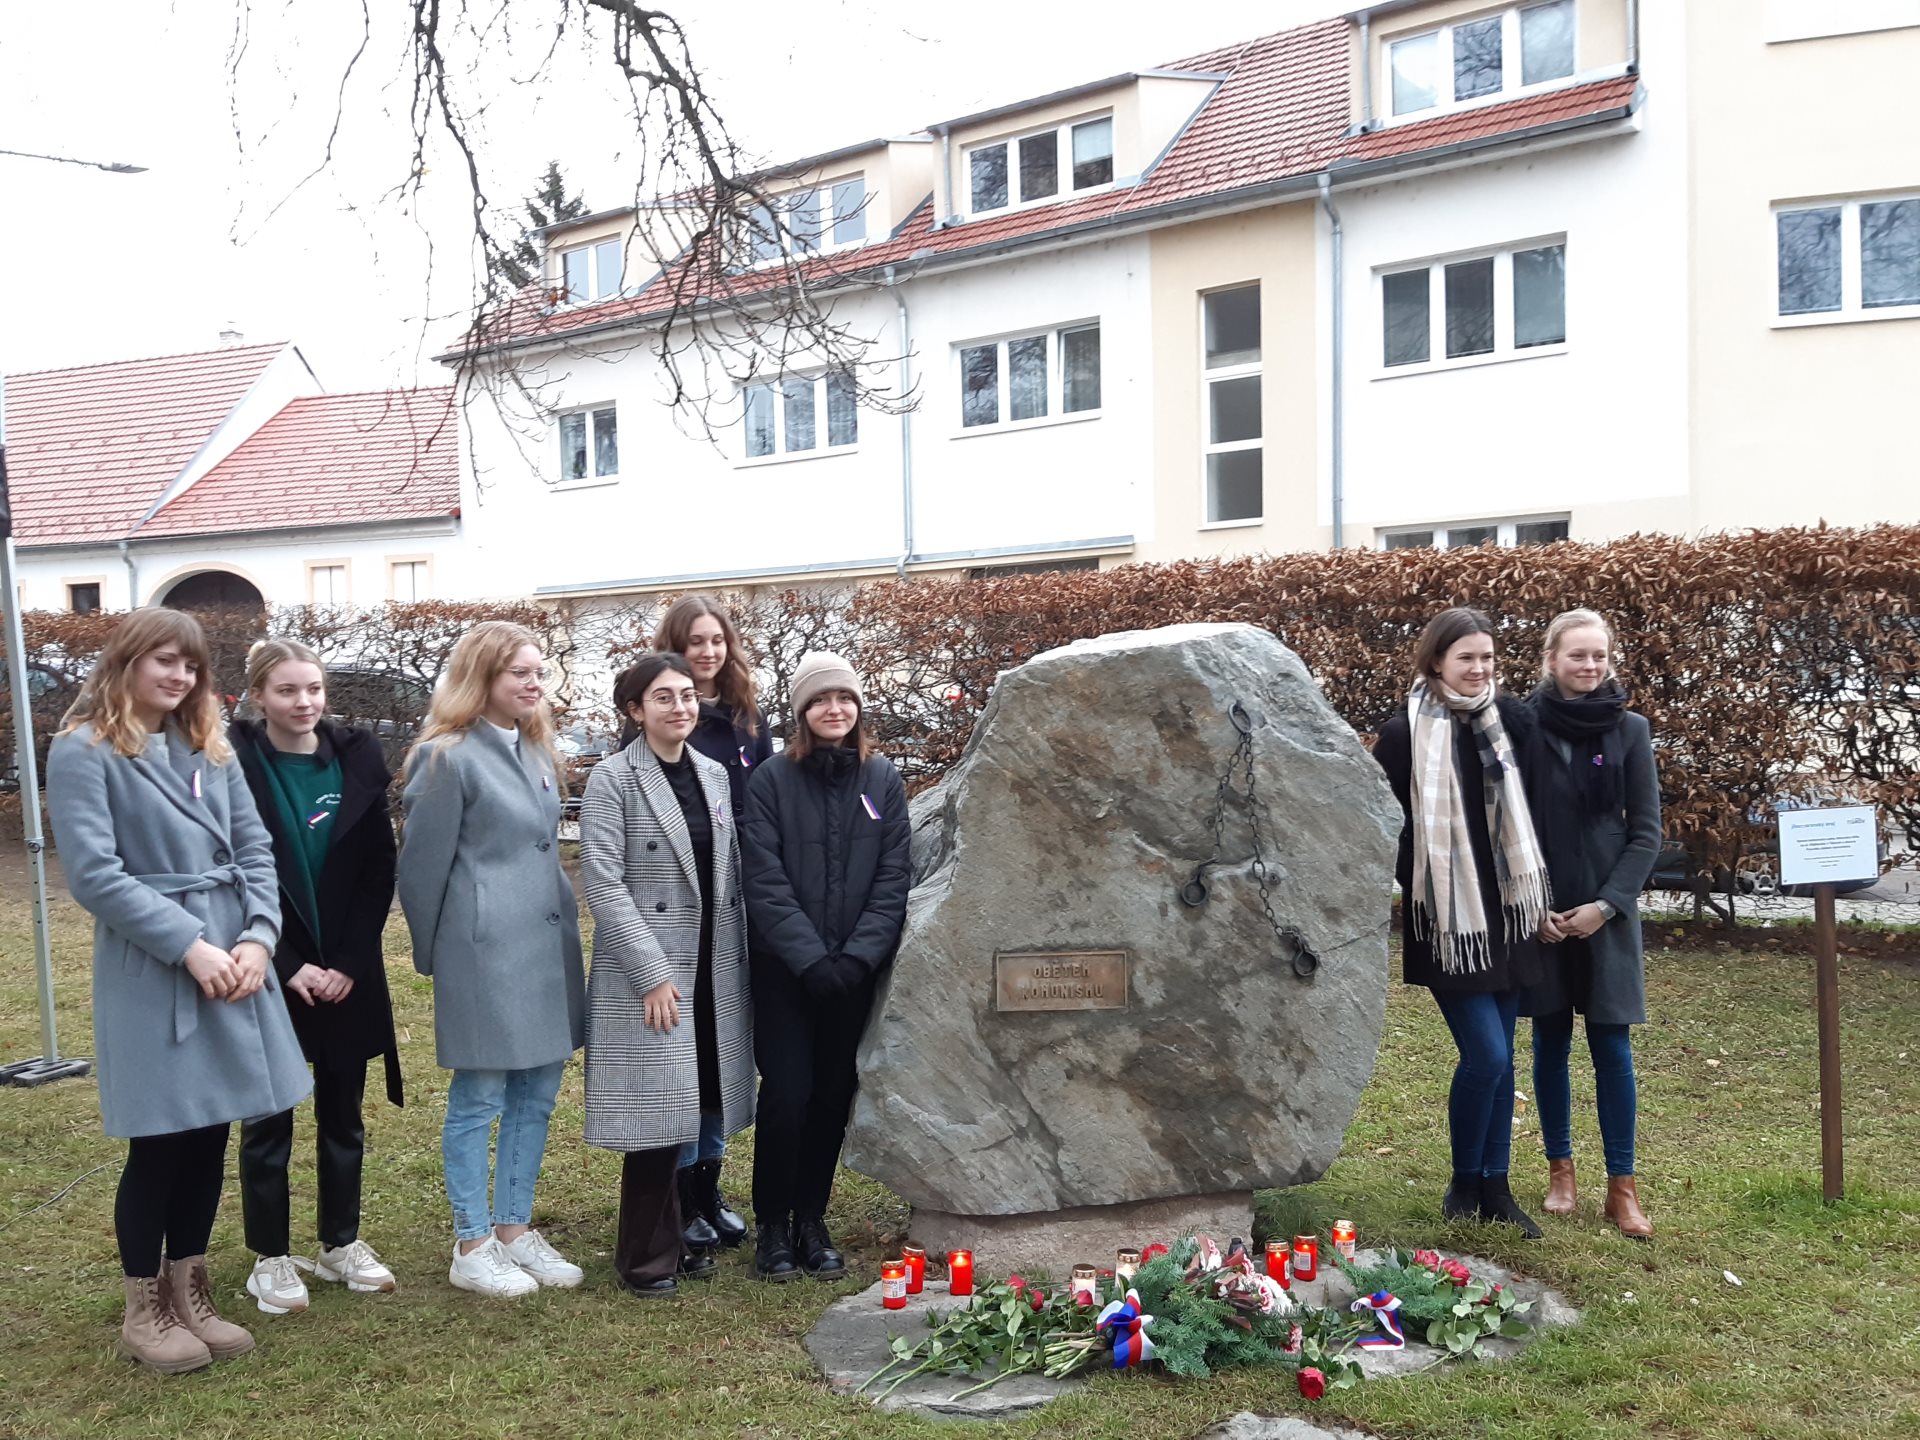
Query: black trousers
x,y
647,1245
266,1148
168,1197
806,1052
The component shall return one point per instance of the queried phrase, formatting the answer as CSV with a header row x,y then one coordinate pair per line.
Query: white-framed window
x,y
1040,166
1534,530
1487,58
828,216
1232,445
1849,258
589,444
800,415
592,272
1030,379
327,583
1472,308
408,580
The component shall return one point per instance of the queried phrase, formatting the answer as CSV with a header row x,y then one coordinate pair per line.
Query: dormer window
x,y
1031,169
591,272
1495,55
830,216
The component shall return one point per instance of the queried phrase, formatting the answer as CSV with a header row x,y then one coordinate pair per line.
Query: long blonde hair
x,y
270,654
460,698
105,701
1557,629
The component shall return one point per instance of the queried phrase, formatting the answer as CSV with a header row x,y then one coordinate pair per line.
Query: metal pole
x,y
1826,969
47,1065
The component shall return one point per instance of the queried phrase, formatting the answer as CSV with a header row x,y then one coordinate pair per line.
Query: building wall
x,y
1796,422
686,504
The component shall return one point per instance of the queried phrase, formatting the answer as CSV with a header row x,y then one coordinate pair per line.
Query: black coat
x,y
1517,960
824,877
1606,981
717,736
354,892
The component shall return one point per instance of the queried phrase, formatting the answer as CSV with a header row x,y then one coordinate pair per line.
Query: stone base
x,y
1054,1242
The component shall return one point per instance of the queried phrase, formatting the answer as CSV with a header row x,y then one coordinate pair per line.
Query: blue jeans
x,y
1480,1104
522,1100
1611,1047
712,1143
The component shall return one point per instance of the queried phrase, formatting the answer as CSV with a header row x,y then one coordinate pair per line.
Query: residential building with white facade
x,y
1428,273
226,477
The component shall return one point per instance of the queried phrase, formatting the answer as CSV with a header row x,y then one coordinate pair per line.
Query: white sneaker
x,y
355,1266
487,1269
276,1285
548,1266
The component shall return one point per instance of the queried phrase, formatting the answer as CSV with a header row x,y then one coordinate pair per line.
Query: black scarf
x,y
1590,724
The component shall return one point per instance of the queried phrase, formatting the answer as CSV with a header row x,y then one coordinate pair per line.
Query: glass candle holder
x,y
1278,1253
893,1284
1124,1266
1085,1282
915,1260
959,1272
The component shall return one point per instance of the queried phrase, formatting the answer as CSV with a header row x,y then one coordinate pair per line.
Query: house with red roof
x,y
229,476
1431,272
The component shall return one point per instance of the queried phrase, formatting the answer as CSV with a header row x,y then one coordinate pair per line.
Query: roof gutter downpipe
x,y
133,576
1338,388
906,430
1366,71
1633,37
943,192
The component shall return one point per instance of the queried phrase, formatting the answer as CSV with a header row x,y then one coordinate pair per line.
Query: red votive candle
x,y
1278,1253
959,1272
1306,1257
915,1259
893,1284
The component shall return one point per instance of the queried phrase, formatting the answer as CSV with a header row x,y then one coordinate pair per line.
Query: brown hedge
x,y
1771,664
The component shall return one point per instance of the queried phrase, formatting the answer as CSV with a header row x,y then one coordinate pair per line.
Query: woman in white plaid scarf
x,y
1473,887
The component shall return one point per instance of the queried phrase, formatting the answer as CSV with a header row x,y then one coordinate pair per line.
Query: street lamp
x,y
48,1065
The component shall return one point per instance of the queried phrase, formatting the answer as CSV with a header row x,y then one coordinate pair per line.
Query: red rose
x,y
1016,1283
1456,1271
1312,1383
1038,1297
1081,1297
1492,1297
1152,1252
1428,1258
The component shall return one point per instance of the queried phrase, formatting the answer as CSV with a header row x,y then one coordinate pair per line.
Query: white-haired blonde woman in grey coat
x,y
670,1019
161,843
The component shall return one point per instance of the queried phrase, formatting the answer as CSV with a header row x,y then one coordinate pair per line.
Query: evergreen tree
x,y
549,205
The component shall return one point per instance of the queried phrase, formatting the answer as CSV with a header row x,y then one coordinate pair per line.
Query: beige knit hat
x,y
822,670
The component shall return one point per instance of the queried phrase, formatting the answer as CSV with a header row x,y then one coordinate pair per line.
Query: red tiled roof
x,y
90,448
330,460
1281,114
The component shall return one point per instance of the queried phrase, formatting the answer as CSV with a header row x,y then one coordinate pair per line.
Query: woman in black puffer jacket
x,y
825,847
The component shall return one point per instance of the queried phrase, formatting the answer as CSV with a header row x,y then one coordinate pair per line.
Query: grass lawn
x,y
1821,1338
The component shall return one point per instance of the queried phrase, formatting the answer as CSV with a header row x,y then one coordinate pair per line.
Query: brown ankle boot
x,y
1623,1207
191,1291
153,1334
1562,1193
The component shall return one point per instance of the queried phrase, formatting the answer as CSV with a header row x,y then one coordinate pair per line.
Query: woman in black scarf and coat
x,y
1597,805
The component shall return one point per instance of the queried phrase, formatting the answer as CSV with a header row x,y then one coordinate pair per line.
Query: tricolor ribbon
x,y
873,810
746,760
196,782
1385,1310
1126,1328
315,818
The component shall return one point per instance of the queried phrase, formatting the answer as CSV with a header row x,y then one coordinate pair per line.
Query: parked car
x,y
1756,873
581,748
390,704
49,693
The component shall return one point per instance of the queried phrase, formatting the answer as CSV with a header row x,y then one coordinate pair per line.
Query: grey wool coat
x,y
638,871
163,854
1620,854
493,917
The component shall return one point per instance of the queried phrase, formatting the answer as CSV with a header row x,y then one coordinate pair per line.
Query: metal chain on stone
x,y
1194,892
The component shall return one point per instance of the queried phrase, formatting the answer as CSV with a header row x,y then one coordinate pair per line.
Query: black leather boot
x,y
698,1236
697,1264
823,1262
724,1220
773,1251
1462,1200
1498,1205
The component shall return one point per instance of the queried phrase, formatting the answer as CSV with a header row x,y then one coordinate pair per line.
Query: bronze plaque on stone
x,y
1060,980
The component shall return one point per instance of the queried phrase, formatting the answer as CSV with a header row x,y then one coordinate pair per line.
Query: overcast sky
x,y
226,227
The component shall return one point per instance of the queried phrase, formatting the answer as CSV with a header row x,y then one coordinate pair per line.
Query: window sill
x,y
1066,199
1504,97
1845,317
1234,524
594,483
1014,427
822,452
1471,362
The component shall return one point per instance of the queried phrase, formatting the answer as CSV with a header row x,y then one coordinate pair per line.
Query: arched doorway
x,y
213,590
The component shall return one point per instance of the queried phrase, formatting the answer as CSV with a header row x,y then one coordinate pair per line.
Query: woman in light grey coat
x,y
660,865
495,924
161,843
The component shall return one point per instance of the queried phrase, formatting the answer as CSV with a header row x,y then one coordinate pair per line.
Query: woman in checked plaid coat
x,y
669,1014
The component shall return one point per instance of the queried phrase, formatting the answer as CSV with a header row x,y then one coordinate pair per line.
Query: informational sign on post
x,y
1829,846
1824,848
